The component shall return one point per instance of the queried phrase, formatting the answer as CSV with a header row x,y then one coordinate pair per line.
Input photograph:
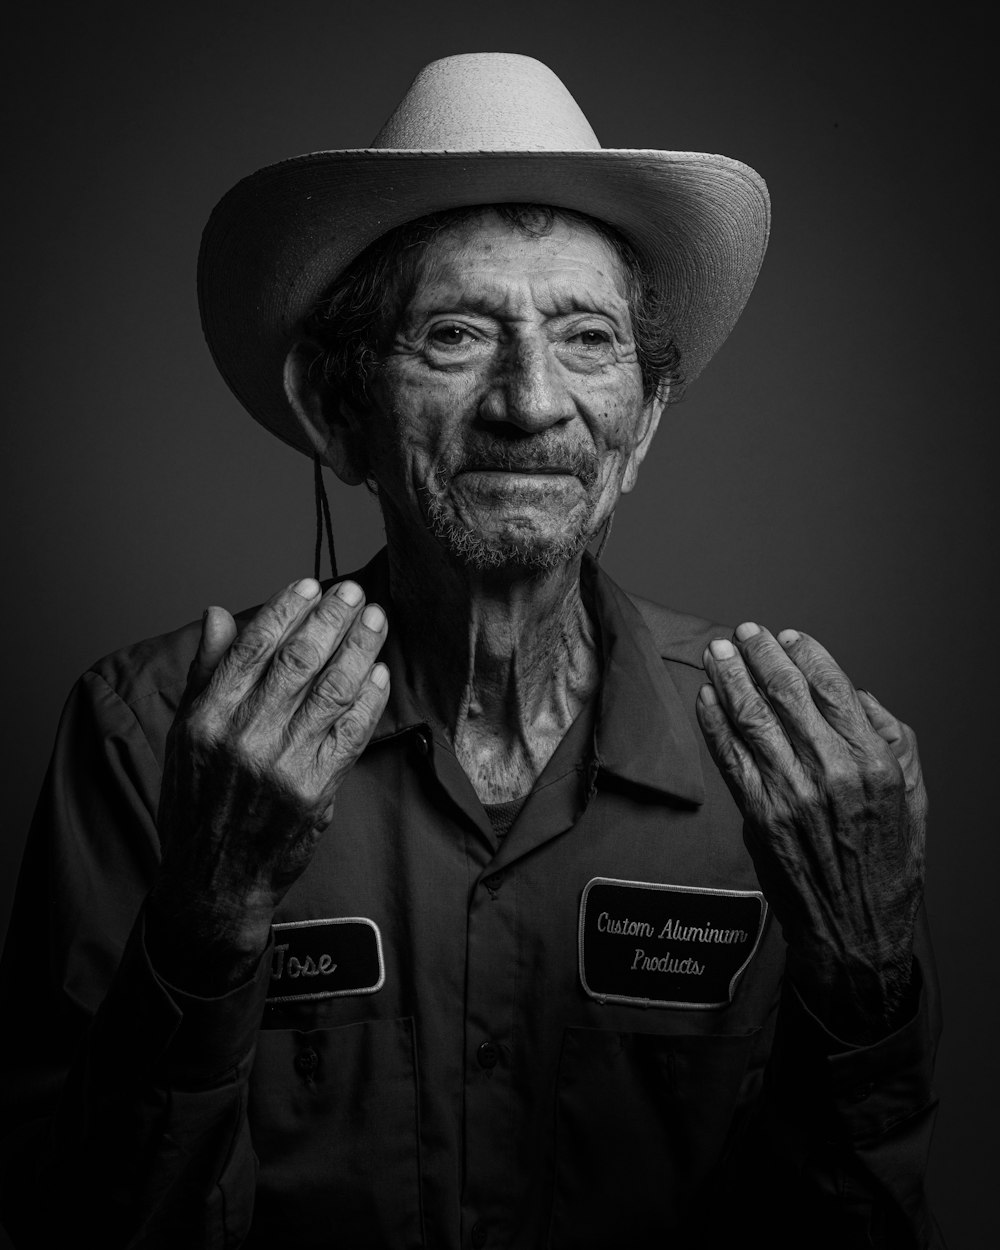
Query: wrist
x,y
203,951
854,1000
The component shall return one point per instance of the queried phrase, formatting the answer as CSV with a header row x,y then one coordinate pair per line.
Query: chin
x,y
511,550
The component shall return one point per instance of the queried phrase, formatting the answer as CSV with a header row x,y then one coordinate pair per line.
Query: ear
x,y
332,427
648,423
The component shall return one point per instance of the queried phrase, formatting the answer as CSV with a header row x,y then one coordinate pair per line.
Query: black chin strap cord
x,y
324,523
605,536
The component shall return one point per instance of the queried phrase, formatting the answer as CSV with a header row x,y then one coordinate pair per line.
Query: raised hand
x,y
829,785
272,719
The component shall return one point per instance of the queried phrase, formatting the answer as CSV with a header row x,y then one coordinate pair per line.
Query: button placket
x,y
491,982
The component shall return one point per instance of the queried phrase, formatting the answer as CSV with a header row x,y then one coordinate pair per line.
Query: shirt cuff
x,y
870,1089
158,1031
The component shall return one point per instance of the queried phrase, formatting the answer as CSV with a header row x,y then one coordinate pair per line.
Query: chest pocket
x,y
641,1121
333,1118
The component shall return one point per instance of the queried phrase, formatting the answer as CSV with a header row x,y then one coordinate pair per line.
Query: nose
x,y
529,390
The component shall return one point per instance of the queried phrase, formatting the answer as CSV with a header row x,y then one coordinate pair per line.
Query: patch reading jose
x,y
325,959
666,945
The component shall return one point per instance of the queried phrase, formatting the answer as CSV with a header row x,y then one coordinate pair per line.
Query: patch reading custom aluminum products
x,y
666,945
325,959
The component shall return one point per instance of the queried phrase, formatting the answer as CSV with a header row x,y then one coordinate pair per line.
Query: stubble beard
x,y
511,548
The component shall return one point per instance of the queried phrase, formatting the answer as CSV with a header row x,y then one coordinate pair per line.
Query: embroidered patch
x,y
666,945
325,959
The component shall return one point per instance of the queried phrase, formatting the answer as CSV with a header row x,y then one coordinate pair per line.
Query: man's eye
x,y
592,338
449,336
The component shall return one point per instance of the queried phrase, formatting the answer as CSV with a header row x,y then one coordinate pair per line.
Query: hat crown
x,y
487,101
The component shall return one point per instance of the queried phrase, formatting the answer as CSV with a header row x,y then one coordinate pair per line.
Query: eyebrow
x,y
564,303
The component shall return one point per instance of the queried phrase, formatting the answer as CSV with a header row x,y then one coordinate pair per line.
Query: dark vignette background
x,y
833,470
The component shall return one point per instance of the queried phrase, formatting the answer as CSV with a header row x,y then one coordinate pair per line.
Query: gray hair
x,y
354,320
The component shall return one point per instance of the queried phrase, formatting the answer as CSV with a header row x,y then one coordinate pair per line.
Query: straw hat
x,y
483,128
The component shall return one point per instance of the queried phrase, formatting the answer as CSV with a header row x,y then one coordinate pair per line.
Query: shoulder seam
x,y
92,672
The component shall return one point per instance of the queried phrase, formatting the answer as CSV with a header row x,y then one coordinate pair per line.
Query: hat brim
x,y
277,240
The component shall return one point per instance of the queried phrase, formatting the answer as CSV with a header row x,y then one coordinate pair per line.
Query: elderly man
x,y
470,901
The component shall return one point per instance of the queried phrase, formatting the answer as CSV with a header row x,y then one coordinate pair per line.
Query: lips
x,y
524,470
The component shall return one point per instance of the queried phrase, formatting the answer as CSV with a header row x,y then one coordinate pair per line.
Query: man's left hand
x,y
830,788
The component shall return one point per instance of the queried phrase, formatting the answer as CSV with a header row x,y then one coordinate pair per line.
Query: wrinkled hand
x,y
829,785
271,721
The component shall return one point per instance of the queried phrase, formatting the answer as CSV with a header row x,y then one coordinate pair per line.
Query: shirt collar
x,y
643,734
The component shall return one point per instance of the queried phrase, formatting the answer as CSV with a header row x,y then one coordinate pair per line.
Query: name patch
x,y
666,945
325,959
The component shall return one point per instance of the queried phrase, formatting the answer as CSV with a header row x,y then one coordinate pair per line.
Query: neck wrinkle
x,y
503,663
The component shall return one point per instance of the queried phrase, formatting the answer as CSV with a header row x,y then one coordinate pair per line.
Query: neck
x,y
502,659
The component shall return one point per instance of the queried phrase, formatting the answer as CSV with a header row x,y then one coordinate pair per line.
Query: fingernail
x,y
351,593
722,648
380,676
873,697
708,696
787,637
373,617
746,630
308,588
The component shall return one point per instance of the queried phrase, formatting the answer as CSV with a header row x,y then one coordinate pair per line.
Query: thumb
x,y
218,629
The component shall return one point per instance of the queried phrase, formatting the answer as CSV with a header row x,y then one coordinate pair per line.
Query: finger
x,y
900,738
350,733
339,684
888,728
748,711
251,652
305,650
786,690
732,756
832,690
218,629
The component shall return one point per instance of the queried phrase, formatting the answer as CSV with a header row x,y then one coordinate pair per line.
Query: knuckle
x,y
834,686
249,647
202,725
244,752
335,689
752,713
882,772
841,776
351,734
297,657
332,612
787,685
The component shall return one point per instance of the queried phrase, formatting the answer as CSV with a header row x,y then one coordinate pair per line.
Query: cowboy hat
x,y
482,128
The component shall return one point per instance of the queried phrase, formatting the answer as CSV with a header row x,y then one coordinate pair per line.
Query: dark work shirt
x,y
576,1034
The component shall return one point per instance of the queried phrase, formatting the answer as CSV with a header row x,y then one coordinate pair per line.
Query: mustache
x,y
537,454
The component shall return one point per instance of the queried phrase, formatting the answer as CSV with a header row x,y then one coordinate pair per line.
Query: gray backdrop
x,y
833,469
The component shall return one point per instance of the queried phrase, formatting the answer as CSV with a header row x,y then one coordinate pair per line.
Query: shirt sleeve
x,y
838,1155
122,1100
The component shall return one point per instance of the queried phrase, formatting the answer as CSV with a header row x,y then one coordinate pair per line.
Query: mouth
x,y
502,481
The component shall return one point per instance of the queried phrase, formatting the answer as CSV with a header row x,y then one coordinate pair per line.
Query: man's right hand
x,y
272,719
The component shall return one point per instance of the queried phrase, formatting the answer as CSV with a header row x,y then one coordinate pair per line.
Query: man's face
x,y
508,415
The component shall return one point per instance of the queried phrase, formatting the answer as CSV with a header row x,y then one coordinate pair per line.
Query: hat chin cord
x,y
324,522
605,535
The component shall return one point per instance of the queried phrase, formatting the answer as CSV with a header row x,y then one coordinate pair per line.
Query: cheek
x,y
414,427
619,428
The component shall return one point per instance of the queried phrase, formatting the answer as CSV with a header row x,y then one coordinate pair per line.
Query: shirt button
x,y
860,1092
423,741
493,882
488,1055
480,1234
306,1062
